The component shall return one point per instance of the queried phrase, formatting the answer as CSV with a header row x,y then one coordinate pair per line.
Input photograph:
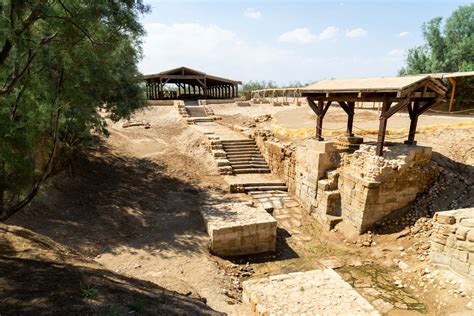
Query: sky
x,y
286,41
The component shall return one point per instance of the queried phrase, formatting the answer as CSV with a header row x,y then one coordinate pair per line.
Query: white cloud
x,y
224,53
402,34
357,32
298,35
252,13
330,32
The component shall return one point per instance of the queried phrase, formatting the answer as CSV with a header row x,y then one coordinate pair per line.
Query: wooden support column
x,y
350,119
412,110
320,109
348,107
382,127
453,91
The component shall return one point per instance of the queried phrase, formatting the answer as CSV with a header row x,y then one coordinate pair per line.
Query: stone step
x,y
233,154
265,188
237,141
238,150
243,147
200,119
248,166
263,184
252,170
243,160
239,145
248,163
244,156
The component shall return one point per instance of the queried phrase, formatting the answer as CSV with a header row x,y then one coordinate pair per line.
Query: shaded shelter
x,y
415,93
189,84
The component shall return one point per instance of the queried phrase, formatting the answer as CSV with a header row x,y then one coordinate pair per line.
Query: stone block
x,y
470,235
440,258
446,230
445,218
465,246
320,146
238,228
435,246
451,241
461,233
468,222
460,266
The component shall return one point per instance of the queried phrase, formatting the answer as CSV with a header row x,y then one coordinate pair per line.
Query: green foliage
x,y
88,292
447,49
258,85
62,64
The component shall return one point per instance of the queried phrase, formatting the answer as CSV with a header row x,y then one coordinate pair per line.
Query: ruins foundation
x,y
358,188
452,241
239,228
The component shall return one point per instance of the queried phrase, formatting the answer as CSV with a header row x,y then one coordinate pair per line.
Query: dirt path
x,y
133,207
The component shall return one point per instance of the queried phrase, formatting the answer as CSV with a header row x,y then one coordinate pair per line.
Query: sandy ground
x,y
133,207
301,121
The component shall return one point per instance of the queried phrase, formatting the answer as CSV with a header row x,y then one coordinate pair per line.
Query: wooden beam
x,y
392,110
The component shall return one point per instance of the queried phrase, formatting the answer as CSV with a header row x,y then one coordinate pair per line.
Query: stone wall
x,y
452,241
373,187
359,188
299,167
239,228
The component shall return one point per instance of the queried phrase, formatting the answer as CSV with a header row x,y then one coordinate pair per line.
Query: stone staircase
x,y
328,200
197,114
244,156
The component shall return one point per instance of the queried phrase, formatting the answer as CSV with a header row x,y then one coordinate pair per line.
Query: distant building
x,y
186,83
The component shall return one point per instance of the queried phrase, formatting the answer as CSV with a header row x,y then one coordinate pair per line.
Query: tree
x,y
62,62
258,85
447,49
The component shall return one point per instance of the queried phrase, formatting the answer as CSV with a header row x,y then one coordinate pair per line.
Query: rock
x,y
403,265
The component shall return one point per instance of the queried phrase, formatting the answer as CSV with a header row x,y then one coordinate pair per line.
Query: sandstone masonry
x,y
452,241
239,228
358,188
317,292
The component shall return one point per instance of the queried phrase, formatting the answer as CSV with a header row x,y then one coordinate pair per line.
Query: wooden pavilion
x,y
415,93
189,84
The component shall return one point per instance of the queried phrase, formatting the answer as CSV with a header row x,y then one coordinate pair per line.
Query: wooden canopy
x,y
415,93
189,84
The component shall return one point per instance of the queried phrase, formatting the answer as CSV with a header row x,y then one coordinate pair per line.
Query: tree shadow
x,y
120,201
34,287
41,277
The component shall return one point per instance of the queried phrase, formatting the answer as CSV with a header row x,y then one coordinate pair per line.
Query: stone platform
x,y
316,292
239,228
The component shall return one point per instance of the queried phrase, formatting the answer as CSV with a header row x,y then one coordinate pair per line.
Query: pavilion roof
x,y
186,73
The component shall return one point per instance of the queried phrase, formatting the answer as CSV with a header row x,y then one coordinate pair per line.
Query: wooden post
x,y
453,90
382,128
350,119
319,126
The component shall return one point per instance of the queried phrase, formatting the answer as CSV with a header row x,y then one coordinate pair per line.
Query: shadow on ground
x,y
115,201
40,277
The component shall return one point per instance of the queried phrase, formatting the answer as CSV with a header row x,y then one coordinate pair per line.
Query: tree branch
x,y
16,76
